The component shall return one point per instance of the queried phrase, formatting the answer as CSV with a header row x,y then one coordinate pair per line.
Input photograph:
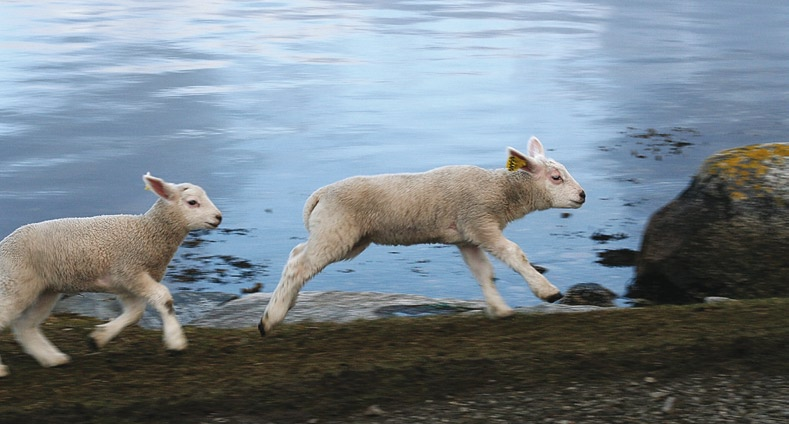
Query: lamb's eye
x,y
192,203
557,177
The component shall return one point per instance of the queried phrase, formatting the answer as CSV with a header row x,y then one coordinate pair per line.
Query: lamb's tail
x,y
309,206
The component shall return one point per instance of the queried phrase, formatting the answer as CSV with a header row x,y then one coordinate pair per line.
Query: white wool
x,y
466,206
122,254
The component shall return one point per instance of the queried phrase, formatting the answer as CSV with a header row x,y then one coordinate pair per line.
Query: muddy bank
x,y
694,363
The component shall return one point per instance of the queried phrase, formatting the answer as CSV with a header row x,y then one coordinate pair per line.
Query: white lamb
x,y
122,254
462,205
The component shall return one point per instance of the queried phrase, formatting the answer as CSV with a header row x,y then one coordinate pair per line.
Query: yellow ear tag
x,y
515,163
148,186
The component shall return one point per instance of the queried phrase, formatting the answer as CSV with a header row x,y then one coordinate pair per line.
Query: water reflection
x,y
262,102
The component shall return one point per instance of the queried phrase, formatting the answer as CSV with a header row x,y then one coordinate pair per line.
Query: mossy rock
x,y
726,235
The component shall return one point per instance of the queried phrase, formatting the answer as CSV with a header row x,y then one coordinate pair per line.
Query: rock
x,y
726,235
329,306
105,306
588,294
254,289
717,299
617,257
222,310
668,405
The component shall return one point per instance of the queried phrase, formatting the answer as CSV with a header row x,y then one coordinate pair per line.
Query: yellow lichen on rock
x,y
744,169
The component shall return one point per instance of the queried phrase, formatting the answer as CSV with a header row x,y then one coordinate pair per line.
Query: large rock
x,y
726,235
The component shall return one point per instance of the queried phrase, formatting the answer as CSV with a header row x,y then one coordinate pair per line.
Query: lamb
x,y
466,206
122,254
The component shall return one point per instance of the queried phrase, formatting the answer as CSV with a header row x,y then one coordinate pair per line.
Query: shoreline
x,y
228,311
721,362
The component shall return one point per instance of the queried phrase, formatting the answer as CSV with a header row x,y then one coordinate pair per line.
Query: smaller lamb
x,y
465,206
122,254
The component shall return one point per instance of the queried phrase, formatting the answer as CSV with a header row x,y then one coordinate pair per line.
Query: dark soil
x,y
334,372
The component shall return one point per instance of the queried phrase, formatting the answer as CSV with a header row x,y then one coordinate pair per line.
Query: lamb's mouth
x,y
212,224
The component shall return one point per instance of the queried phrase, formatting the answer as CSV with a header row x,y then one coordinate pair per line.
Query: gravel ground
x,y
697,399
700,398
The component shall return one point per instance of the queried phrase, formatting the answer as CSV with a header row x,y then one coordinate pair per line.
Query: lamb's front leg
x,y
512,255
483,271
160,298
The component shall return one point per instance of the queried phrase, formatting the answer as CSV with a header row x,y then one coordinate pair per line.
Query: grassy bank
x,y
321,370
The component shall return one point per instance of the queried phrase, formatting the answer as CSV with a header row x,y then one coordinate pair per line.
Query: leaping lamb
x,y
122,254
466,206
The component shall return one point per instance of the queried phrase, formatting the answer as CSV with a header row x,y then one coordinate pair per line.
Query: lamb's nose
x,y
583,195
219,217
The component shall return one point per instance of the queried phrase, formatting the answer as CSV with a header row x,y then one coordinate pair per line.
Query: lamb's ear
x,y
159,186
535,148
518,161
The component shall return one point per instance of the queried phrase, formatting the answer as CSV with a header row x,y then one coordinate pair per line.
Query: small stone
x,y
668,405
374,411
717,299
658,394
650,380
588,294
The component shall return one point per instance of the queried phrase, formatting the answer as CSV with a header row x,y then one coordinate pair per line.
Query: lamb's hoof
x,y
554,298
93,344
97,339
172,352
176,347
56,360
499,313
262,329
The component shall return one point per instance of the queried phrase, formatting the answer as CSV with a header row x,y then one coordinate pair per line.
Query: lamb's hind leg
x,y
6,315
299,269
28,332
12,305
133,308
483,271
15,298
305,261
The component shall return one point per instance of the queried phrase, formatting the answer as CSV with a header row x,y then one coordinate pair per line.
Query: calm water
x,y
263,102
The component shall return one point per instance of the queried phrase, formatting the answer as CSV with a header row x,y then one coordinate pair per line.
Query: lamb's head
x,y
190,201
560,189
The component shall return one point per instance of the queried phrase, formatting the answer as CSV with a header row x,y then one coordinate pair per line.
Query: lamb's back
x,y
79,251
410,208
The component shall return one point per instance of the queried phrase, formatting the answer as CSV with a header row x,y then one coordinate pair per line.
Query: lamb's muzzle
x,y
215,223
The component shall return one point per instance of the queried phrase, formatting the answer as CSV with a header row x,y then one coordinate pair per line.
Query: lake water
x,y
261,102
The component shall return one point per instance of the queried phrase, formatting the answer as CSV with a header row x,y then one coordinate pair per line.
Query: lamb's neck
x,y
167,223
521,195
